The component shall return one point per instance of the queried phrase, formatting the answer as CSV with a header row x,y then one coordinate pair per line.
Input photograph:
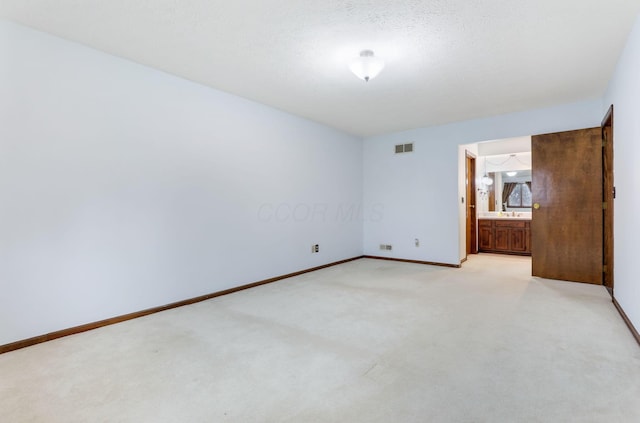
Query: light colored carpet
x,y
367,341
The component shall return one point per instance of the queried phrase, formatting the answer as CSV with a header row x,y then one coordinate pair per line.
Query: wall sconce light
x,y
485,179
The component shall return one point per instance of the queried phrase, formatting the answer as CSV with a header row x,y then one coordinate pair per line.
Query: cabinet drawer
x,y
511,223
482,222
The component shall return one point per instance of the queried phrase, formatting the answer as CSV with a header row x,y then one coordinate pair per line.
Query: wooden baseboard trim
x,y
95,325
430,263
632,328
464,260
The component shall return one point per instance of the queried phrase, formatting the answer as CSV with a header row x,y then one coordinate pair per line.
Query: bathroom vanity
x,y
505,235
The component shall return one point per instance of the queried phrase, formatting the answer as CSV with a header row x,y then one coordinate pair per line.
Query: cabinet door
x,y
486,237
502,238
518,237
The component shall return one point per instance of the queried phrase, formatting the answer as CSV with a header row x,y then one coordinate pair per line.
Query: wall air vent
x,y
404,148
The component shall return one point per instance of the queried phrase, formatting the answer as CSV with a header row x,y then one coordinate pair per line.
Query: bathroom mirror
x,y
511,178
511,191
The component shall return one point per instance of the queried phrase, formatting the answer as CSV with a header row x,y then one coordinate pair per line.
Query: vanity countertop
x,y
504,217
509,215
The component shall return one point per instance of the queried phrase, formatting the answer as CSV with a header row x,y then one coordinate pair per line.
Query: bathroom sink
x,y
506,216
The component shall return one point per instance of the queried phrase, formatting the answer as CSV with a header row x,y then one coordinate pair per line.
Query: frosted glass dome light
x,y
366,66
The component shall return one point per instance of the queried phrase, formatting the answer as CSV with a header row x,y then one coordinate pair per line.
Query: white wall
x,y
624,93
419,194
124,188
505,146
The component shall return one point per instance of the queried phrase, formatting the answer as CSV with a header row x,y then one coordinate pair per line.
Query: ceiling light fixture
x,y
512,173
366,66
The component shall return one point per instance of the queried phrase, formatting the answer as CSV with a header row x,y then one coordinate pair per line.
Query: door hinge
x,y
604,205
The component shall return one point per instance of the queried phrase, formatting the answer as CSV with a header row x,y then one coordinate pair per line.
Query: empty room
x,y
319,211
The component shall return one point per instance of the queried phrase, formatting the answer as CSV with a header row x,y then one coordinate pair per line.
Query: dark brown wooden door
x,y
470,178
566,228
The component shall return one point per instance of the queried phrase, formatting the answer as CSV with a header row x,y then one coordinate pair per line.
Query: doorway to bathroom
x,y
561,212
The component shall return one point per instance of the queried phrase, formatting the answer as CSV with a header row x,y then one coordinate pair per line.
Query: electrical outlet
x,y
315,248
417,242
386,247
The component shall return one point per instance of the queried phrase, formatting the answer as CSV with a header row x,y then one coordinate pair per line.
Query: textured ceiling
x,y
446,60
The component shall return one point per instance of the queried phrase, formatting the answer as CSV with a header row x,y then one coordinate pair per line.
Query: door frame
x,y
608,196
471,221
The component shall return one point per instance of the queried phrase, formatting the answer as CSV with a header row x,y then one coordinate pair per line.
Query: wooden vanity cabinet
x,y
504,236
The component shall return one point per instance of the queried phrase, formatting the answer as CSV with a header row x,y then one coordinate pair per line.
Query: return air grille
x,y
404,148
